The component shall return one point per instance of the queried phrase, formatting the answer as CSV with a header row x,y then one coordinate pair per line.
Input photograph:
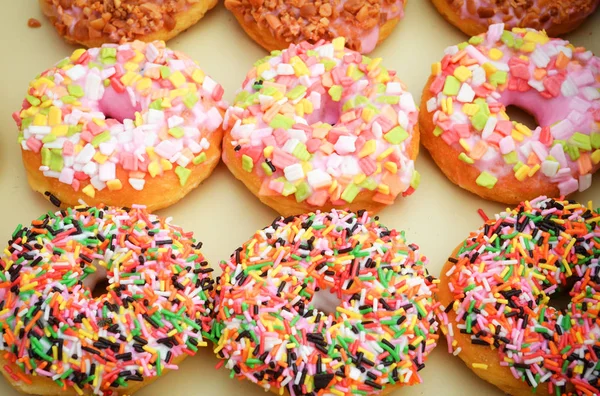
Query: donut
x,y
275,25
59,338
556,17
121,125
468,133
320,127
498,288
328,303
93,23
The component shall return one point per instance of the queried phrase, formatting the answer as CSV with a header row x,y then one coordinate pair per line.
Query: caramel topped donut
x,y
59,339
330,303
276,24
557,17
498,287
94,22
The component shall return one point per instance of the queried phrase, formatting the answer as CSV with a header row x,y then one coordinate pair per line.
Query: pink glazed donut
x,y
276,24
121,125
469,135
557,17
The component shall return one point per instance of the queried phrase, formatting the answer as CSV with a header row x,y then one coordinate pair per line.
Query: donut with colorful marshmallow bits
x,y
467,131
136,123
321,126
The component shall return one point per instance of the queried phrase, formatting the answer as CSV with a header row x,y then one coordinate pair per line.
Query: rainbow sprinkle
x,y
503,278
273,332
156,308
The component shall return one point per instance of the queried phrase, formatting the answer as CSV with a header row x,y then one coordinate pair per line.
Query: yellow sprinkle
x,y
143,84
60,130
263,67
40,120
100,158
114,185
165,164
367,114
528,47
496,54
534,170
374,64
521,174
54,116
154,168
177,78
77,54
383,188
436,69
480,366
569,247
368,148
517,135
536,37
29,286
489,69
130,66
523,129
462,73
464,144
470,109
450,106
385,154
391,166
339,43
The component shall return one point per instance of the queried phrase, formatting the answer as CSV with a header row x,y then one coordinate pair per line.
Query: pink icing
x,y
323,123
140,106
556,83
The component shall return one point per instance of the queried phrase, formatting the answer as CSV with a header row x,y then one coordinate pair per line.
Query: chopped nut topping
x,y
297,20
117,20
33,23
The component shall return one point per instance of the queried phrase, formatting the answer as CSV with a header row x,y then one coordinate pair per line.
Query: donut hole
x,y
520,115
329,112
118,105
100,288
97,282
561,299
325,301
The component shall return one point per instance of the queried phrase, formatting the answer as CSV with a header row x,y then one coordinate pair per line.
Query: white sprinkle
x,y
479,77
86,154
297,134
151,52
407,103
293,172
537,85
318,178
490,125
466,94
209,84
432,104
285,69
290,145
106,171
174,121
590,93
345,145
66,176
585,181
540,58
155,116
93,87
76,72
393,88
568,88
137,184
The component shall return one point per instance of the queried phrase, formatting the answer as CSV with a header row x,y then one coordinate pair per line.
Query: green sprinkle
x,y
479,120
475,40
200,158
396,136
296,92
595,140
584,142
281,121
266,168
101,138
165,72
498,78
156,105
302,191
190,99
68,99
486,180
75,90
465,158
350,192
247,163
508,39
33,100
415,181
336,92
451,86
176,132
437,131
389,99
183,174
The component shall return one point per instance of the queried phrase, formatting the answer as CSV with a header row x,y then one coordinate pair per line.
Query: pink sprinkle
x,y
436,85
368,165
463,130
313,145
68,148
504,127
34,144
281,159
129,161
